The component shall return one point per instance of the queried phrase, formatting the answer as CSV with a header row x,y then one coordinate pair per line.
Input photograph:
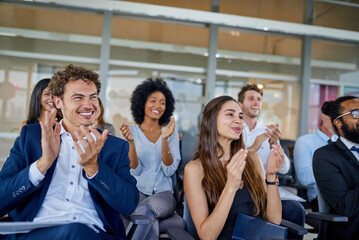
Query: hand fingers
x,y
47,121
241,167
104,136
43,130
57,128
124,128
238,157
95,132
79,150
84,142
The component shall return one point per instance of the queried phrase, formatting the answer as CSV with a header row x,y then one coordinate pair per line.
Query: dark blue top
x,y
242,203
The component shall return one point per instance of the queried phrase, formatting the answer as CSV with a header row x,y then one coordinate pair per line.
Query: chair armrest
x,y
136,220
328,217
139,219
178,234
294,228
298,186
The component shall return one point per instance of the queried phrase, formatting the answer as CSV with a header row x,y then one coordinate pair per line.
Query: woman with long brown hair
x,y
225,178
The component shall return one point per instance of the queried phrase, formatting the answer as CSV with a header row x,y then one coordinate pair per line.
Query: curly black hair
x,y
143,91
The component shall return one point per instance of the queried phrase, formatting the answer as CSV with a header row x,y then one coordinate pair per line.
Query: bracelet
x,y
276,181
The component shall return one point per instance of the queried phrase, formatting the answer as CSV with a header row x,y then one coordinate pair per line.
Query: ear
x,y
240,104
58,102
338,124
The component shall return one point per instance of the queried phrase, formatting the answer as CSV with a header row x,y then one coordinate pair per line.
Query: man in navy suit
x,y
336,168
69,172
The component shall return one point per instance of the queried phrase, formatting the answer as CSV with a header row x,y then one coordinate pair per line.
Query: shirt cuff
x,y
92,176
35,176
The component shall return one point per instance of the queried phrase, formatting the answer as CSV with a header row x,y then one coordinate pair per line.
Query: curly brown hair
x,y
71,73
246,88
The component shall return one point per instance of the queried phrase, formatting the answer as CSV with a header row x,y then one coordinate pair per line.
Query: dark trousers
x,y
71,231
344,230
294,212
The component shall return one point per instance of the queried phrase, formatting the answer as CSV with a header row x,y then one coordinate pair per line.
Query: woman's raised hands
x,y
275,160
235,169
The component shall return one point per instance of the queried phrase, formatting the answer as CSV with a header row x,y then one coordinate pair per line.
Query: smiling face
x,y
229,121
46,100
79,104
252,103
155,105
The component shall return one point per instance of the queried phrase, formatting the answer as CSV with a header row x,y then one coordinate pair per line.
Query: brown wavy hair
x,y
215,175
60,78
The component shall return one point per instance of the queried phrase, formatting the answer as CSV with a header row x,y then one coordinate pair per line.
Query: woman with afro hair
x,y
154,153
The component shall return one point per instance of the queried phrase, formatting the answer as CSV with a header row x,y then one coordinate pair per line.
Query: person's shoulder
x,y
194,165
304,138
325,151
134,129
194,169
35,127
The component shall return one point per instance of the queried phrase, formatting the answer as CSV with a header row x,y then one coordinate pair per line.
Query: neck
x,y
251,122
226,146
326,131
71,129
150,125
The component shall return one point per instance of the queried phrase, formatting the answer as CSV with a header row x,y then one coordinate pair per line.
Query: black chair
x,y
324,216
189,232
188,145
290,179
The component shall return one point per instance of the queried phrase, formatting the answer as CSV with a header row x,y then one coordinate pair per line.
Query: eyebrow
x,y
230,110
82,95
161,99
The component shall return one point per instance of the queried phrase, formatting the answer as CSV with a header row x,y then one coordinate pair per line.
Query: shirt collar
x,y
349,144
325,137
322,135
62,128
257,126
68,134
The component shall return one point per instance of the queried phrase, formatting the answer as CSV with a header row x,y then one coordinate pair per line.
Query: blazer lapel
x,y
347,151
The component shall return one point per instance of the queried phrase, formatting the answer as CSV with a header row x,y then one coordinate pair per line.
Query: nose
x,y
87,102
237,119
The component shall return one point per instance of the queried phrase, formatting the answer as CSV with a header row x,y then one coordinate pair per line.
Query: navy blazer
x,y
113,189
336,171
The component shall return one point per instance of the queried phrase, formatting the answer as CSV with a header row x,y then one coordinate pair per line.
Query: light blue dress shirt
x,y
152,175
68,198
304,149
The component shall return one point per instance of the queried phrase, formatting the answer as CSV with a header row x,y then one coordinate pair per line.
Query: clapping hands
x,y
275,160
169,129
126,132
273,133
235,169
91,147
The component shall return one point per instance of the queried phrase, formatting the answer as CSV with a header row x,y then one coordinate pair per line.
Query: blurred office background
x,y
301,52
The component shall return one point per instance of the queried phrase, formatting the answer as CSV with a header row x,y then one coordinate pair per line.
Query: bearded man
x,y
336,168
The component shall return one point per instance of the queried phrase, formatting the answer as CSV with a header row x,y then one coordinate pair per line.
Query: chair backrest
x,y
190,227
323,205
189,144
